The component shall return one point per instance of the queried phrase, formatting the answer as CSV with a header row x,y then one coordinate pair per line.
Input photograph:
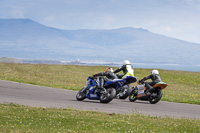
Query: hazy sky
x,y
175,18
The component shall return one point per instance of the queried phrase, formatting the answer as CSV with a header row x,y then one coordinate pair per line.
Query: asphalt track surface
x,y
37,96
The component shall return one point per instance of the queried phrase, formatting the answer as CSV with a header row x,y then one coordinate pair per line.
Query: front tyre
x,y
133,95
81,95
156,96
125,91
108,95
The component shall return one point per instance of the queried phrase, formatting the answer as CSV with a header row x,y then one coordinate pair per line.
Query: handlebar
x,y
141,81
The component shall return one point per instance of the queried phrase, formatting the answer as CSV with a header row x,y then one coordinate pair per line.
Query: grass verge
x,y
183,87
18,118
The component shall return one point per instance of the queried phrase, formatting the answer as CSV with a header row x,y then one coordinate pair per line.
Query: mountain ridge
x,y
25,38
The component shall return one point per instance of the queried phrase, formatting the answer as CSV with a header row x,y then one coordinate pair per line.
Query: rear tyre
x,y
156,96
125,91
81,95
133,95
108,96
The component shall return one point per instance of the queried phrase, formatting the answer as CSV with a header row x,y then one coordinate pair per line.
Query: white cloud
x,y
191,2
17,14
15,11
107,18
52,21
168,29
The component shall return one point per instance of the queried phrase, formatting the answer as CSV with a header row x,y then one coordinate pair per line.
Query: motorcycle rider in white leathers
x,y
126,68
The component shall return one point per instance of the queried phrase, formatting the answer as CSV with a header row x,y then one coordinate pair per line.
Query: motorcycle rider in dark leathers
x,y
109,76
155,77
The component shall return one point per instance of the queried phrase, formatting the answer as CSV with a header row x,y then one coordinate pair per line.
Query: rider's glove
x,y
141,81
91,77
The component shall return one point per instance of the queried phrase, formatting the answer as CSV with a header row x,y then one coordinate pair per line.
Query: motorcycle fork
x,y
85,88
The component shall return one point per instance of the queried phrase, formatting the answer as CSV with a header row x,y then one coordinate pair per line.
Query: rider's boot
x,y
101,82
148,89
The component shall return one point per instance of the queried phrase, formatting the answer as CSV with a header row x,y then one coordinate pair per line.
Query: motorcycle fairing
x,y
118,82
91,95
122,82
130,79
141,89
91,85
91,82
161,85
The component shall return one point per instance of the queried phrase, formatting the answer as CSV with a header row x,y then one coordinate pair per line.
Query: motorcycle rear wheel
x,y
133,95
108,96
125,91
81,95
155,99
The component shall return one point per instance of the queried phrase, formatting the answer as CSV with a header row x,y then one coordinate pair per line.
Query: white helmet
x,y
125,62
154,72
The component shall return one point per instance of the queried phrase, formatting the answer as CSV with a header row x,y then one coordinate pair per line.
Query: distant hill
x,y
27,39
9,60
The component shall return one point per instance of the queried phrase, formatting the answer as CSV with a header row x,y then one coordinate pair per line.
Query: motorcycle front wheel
x,y
133,95
156,96
108,95
124,92
81,95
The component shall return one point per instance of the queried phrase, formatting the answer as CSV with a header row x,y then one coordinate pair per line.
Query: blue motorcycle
x,y
122,86
93,91
105,94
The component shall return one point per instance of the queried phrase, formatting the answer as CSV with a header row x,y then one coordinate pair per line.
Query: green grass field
x,y
183,87
19,119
